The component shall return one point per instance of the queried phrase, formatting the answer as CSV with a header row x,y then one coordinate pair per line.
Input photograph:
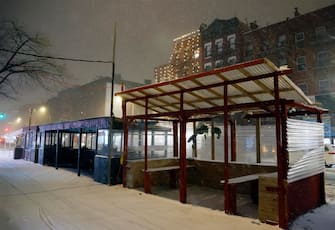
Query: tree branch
x,y
14,54
17,69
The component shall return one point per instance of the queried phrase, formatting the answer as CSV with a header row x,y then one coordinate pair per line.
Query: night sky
x,y
145,30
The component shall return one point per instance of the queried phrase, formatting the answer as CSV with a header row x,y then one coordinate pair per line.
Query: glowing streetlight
x,y
42,109
18,120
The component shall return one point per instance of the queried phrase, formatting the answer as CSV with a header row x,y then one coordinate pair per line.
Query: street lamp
x,y
18,120
42,110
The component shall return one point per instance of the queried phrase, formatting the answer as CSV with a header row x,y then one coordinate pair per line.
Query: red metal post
x,y
233,139
212,141
285,163
195,149
175,138
285,160
319,117
258,140
322,175
182,157
227,200
283,221
147,179
182,162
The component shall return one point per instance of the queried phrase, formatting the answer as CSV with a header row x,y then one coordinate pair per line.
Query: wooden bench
x,y
251,177
172,172
237,180
166,168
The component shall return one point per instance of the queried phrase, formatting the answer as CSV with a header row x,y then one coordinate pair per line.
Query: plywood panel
x,y
268,199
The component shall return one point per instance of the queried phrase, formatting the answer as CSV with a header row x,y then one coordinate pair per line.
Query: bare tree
x,y
22,63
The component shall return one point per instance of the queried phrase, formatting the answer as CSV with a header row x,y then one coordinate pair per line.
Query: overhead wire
x,y
58,58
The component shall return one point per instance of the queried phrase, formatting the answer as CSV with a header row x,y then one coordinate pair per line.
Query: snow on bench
x,y
166,168
251,177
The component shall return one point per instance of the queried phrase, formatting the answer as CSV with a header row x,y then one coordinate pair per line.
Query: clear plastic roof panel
x,y
246,84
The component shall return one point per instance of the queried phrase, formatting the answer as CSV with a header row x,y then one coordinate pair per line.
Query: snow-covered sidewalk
x,y
39,197
322,218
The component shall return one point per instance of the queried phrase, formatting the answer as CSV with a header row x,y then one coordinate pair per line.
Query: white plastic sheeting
x,y
306,149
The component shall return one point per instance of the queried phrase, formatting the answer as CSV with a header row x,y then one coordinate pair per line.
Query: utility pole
x,y
30,117
111,112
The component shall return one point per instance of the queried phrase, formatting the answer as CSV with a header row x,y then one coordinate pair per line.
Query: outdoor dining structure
x,y
224,103
81,145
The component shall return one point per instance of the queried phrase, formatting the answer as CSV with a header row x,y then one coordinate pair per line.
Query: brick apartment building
x,y
222,43
304,42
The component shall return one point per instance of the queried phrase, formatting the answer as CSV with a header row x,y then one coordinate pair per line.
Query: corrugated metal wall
x,y
306,149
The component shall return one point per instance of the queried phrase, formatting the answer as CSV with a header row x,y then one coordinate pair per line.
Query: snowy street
x,y
40,197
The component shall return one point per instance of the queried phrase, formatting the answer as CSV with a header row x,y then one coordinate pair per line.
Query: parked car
x,y
329,156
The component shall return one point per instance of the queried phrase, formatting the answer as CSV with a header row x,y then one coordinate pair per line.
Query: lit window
x,y
196,54
103,139
66,140
208,49
219,46
218,63
231,41
231,60
282,40
323,58
299,39
208,66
